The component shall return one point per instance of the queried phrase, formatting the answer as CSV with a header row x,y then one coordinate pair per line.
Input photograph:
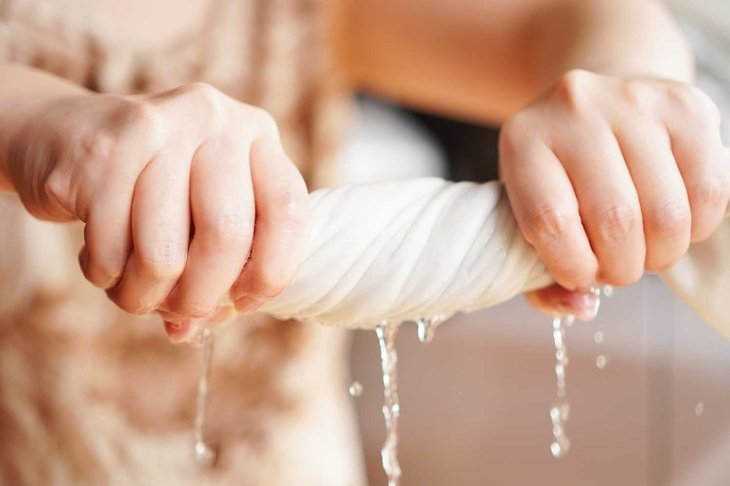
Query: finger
x,y
547,211
557,301
160,234
608,201
222,206
664,204
107,239
107,235
694,128
187,329
282,206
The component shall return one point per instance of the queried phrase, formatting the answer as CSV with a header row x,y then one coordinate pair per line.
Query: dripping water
x,y
560,412
559,415
355,389
700,409
204,454
386,333
427,328
598,337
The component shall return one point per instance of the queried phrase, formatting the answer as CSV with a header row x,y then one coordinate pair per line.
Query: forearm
x,y
24,92
625,38
486,60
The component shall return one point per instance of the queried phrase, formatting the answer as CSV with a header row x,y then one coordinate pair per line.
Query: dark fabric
x,y
471,149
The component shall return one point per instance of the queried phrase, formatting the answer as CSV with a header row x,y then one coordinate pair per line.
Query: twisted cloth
x,y
413,249
406,250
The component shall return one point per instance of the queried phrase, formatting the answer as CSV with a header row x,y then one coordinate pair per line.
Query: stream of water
x,y
204,454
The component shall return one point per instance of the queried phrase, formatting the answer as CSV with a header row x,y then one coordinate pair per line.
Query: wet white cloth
x,y
409,249
702,279
404,250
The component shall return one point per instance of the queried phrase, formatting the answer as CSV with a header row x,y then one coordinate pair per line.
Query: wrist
x,y
27,97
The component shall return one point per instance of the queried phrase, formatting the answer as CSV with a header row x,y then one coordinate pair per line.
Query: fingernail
x,y
178,331
248,304
585,306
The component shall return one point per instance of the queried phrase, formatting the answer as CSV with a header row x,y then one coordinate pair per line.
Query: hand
x,y
169,187
611,177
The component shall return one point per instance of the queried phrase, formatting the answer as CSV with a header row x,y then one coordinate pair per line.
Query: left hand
x,y
611,177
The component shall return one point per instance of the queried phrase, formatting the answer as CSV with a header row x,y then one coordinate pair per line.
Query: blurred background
x,y
475,401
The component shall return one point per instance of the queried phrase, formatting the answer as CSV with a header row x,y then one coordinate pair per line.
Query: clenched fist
x,y
185,195
610,177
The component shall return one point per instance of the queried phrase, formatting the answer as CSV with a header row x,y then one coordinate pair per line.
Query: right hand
x,y
169,187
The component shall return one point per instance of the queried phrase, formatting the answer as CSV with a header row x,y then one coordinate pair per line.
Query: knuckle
x,y
127,303
265,121
163,259
694,104
656,263
575,276
711,193
707,106
144,121
293,204
670,219
266,285
207,98
57,187
144,116
680,95
96,147
103,271
638,95
228,228
571,90
189,306
549,223
622,278
129,307
513,134
618,220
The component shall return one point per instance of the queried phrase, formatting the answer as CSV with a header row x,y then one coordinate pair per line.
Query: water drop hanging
x,y
355,389
427,328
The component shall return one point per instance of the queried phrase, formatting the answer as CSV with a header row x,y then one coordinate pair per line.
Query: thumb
x,y
557,301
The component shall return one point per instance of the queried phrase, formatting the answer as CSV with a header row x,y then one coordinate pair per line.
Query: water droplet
x,y
559,448
198,340
601,361
427,328
355,389
700,409
391,407
204,454
598,337
608,290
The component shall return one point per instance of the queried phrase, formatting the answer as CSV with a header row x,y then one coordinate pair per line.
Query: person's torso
x,y
90,395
